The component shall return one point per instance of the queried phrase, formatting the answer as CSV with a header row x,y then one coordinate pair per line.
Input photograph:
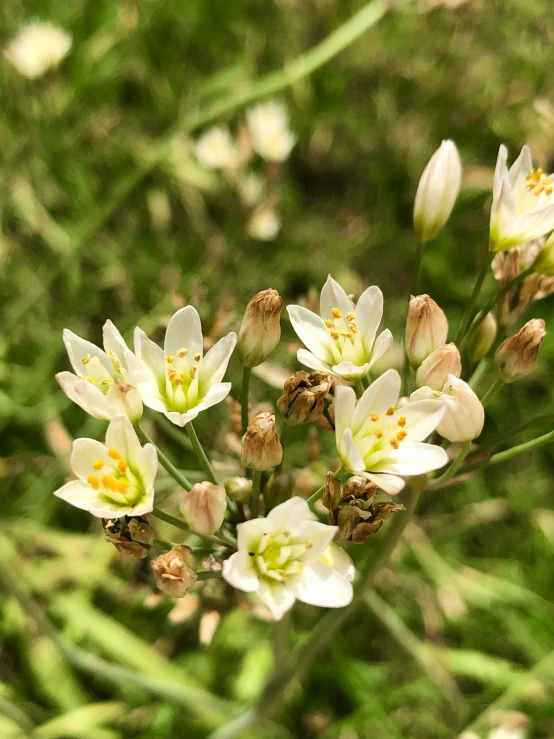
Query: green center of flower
x,y
181,386
115,480
99,375
277,557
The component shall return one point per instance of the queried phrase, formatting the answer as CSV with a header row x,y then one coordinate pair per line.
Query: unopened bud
x,y
482,338
544,263
279,488
238,488
124,398
464,416
261,448
132,535
426,328
175,571
437,191
260,330
304,397
516,357
434,370
203,507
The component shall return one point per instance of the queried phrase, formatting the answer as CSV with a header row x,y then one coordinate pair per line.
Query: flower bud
x,y
175,571
464,416
426,329
260,330
304,397
238,488
261,448
516,357
132,535
544,262
124,398
437,191
482,338
203,507
434,370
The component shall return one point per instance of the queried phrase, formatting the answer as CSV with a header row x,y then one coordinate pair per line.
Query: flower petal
x,y
413,459
350,455
180,419
530,226
379,396
310,360
320,585
422,418
277,597
333,296
350,371
239,572
215,395
184,331
214,364
320,536
84,454
311,331
76,493
344,406
89,397
122,436
287,515
148,465
391,484
335,557
79,349
369,312
522,166
113,341
382,345
150,353
500,172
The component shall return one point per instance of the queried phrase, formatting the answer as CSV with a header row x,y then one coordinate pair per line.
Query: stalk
x,y
222,540
244,392
198,449
413,291
164,461
462,330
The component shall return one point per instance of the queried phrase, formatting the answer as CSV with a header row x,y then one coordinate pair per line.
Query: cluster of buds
x,y
132,535
303,400
260,448
175,571
517,356
354,508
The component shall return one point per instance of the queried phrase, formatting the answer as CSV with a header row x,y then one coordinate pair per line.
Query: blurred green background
x,y
106,213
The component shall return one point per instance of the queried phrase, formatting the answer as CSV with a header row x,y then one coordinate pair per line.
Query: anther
x,y
401,421
122,466
117,365
92,380
394,443
193,372
110,355
93,481
374,417
390,410
181,353
329,323
379,434
197,357
98,464
350,316
114,454
169,359
336,313
85,359
123,486
106,382
335,335
401,435
109,482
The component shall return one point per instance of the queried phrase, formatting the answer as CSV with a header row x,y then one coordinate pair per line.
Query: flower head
x,y
175,570
260,330
464,415
285,557
380,442
204,507
260,445
426,328
215,149
523,203
269,128
178,380
343,339
115,479
37,48
517,356
264,224
101,383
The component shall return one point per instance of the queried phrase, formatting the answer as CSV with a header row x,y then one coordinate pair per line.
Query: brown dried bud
x,y
426,329
517,357
132,535
353,507
175,571
434,371
304,398
238,488
203,507
260,330
261,448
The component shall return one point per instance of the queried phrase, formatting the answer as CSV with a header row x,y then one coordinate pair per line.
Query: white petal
x,y
78,348
350,371
389,483
422,418
382,345
184,331
310,360
335,556
145,505
379,397
530,226
122,436
89,397
423,393
76,493
369,312
333,296
250,533
214,364
522,166
278,598
149,465
320,535
344,406
83,455
239,572
113,341
215,395
320,585
500,172
288,515
413,459
311,331
350,455
150,353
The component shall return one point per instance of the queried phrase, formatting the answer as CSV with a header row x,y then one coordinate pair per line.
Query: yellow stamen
x,y
353,328
110,355
394,443
117,365
123,486
98,464
92,380
348,334
106,382
181,353
374,417
379,434
350,316
390,410
336,313
171,375
122,465
335,335
197,357
401,421
114,454
85,359
93,481
401,435
329,323
109,482
193,372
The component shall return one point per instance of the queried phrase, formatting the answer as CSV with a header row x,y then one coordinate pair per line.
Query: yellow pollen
x,y
117,365
197,357
123,486
353,328
401,421
379,434
390,411
180,379
122,465
336,313
348,334
193,372
538,182
374,417
114,454
350,316
394,443
98,464
110,355
171,375
93,481
401,435
329,323
109,482
335,335
437,393
181,353
85,359
106,382
169,359
92,380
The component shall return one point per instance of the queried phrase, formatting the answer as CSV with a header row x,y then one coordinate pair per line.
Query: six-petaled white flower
x,y
342,340
37,48
215,149
115,479
178,380
269,128
382,443
286,556
464,415
101,383
523,202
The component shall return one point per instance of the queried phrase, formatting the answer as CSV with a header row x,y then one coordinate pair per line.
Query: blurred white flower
x,y
464,416
251,189
178,380
343,340
269,128
265,224
101,386
379,441
37,48
215,149
285,557
523,202
115,479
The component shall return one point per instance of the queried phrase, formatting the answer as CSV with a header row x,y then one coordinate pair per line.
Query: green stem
x,y
244,397
413,291
18,717
222,540
164,461
473,299
255,494
360,388
508,454
198,449
314,497
454,466
285,429
491,392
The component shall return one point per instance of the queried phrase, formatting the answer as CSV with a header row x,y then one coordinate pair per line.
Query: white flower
x,y
115,479
285,557
37,48
215,148
101,386
380,442
437,191
523,203
269,129
464,415
342,340
178,380
264,224
507,732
